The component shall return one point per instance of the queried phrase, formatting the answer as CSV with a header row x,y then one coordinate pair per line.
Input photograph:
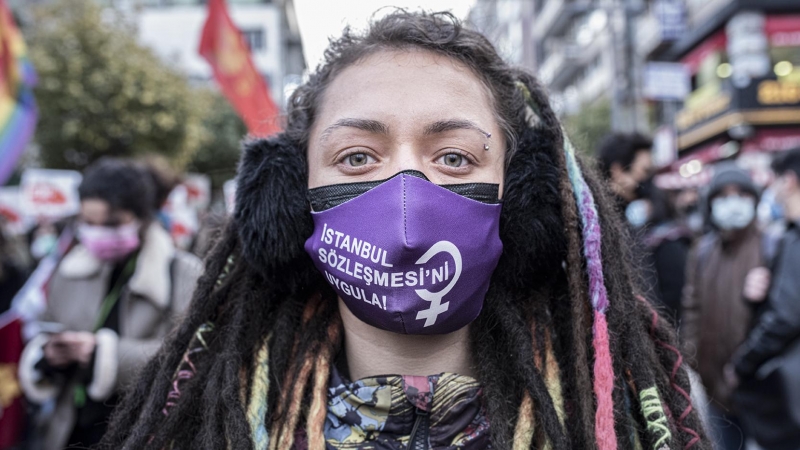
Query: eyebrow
x,y
371,126
452,124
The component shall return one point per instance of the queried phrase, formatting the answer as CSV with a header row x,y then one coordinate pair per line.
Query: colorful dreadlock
x,y
653,412
257,409
186,370
603,368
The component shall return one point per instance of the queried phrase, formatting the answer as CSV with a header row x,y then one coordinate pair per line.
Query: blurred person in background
x,y
626,163
722,285
43,239
686,203
766,366
419,118
666,242
110,302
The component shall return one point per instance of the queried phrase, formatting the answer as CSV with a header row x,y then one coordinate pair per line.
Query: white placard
x,y
14,220
51,194
198,191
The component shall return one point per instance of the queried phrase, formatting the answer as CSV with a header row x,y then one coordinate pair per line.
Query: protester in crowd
x,y
768,361
625,161
686,203
721,287
666,241
43,237
405,139
110,302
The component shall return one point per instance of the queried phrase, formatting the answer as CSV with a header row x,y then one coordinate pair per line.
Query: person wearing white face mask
x,y
724,280
111,300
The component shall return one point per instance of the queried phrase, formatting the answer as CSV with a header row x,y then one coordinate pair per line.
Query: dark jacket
x,y
768,362
667,249
716,317
779,324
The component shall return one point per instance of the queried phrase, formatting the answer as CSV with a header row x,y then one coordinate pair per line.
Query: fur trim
x,y
106,364
79,263
36,387
531,225
151,279
272,212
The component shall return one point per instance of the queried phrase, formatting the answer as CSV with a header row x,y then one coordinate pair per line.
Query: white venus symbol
x,y
437,307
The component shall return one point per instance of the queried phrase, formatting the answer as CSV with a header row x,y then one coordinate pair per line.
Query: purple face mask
x,y
109,243
406,255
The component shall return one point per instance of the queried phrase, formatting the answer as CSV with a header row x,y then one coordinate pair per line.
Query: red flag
x,y
224,48
12,412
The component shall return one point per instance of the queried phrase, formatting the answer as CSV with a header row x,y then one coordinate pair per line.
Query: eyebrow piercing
x,y
486,147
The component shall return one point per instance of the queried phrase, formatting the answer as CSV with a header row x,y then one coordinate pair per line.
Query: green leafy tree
x,y
101,93
223,131
587,127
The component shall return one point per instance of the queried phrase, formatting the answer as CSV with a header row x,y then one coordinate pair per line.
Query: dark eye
x,y
453,160
357,159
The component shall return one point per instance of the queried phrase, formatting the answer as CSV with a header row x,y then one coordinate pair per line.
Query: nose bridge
x,y
407,158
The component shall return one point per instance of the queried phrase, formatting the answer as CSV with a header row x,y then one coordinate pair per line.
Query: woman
x,y
364,243
110,302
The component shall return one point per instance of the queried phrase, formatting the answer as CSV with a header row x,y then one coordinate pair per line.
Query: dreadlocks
x,y
567,354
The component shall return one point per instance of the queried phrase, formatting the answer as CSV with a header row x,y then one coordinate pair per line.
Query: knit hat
x,y
728,173
725,174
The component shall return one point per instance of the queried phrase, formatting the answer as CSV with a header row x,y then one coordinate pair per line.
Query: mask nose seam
x,y
405,217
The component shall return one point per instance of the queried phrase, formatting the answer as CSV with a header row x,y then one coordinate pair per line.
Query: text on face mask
x,y
356,292
369,275
354,245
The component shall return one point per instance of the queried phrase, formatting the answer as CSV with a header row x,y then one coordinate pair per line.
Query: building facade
x,y
173,29
742,61
709,79
577,48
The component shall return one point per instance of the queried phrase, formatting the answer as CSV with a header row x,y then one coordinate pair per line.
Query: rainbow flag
x,y
18,113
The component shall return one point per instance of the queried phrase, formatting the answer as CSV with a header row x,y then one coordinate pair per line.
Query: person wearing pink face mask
x,y
111,300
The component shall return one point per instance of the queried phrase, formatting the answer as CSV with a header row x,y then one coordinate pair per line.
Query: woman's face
x,y
404,110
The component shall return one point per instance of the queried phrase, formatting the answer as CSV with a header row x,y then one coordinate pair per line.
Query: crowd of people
x,y
729,279
120,284
568,288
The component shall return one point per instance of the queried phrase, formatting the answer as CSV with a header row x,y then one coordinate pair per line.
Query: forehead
x,y
406,85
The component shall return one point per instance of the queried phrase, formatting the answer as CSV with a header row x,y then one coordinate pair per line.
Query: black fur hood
x,y
273,217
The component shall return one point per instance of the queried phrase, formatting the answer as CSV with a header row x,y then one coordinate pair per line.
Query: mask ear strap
x,y
592,239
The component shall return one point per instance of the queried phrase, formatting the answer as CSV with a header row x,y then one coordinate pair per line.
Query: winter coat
x,y
716,317
150,304
769,359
